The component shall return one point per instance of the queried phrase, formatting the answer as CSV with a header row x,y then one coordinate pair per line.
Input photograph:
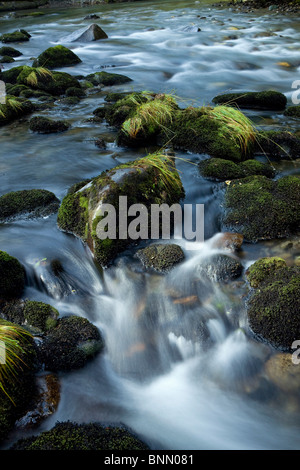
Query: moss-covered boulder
x,y
107,79
18,387
263,269
278,144
260,208
269,100
93,436
54,83
27,202
273,308
9,51
222,170
12,276
14,108
45,125
70,345
161,257
16,36
293,111
56,57
35,316
7,60
150,180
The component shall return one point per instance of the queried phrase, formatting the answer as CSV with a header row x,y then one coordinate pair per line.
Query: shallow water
x,y
182,375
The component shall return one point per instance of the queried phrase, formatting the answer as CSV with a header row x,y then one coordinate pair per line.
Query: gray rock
x,y
91,33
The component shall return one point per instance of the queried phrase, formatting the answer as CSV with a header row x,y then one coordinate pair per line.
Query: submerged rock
x,y
278,144
220,268
70,345
273,308
161,257
56,57
142,182
87,34
27,202
12,276
44,125
269,100
262,209
71,436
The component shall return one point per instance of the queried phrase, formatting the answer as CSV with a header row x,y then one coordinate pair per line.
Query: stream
x,y
181,373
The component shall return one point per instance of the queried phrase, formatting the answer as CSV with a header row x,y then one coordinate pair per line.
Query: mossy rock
x,y
54,83
222,170
56,57
107,79
15,108
70,345
21,389
161,257
278,144
93,436
262,209
140,181
28,202
263,270
273,309
268,100
293,111
12,276
16,36
7,60
9,51
44,125
74,91
40,315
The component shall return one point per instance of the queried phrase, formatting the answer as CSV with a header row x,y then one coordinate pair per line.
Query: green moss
x,y
278,144
7,60
11,75
44,125
93,436
107,79
12,276
14,108
222,170
262,270
73,215
16,36
38,201
274,308
292,111
56,57
260,208
54,83
40,315
161,257
253,100
9,51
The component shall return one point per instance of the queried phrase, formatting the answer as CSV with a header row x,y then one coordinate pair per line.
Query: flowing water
x,y
180,366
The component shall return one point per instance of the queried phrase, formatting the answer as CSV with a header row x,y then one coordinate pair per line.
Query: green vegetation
x,y
263,270
222,170
27,201
16,36
9,51
14,108
44,125
56,57
272,100
107,79
161,257
12,276
40,315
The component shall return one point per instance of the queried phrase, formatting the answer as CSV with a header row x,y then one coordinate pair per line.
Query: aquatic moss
x,y
73,215
262,270
12,276
16,36
56,57
92,436
222,170
40,315
273,310
54,83
44,125
107,79
261,208
27,201
268,99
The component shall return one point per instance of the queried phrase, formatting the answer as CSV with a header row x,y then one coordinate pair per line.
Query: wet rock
x,y
56,57
45,403
43,125
140,181
273,309
229,241
70,345
263,269
6,59
292,111
278,144
100,143
220,268
9,51
91,33
191,29
222,170
74,91
16,36
269,100
262,209
281,370
107,79
12,276
92,16
71,436
27,203
14,108
161,257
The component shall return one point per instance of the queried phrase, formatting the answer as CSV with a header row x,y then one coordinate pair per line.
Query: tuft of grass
x,y
40,72
11,351
13,103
